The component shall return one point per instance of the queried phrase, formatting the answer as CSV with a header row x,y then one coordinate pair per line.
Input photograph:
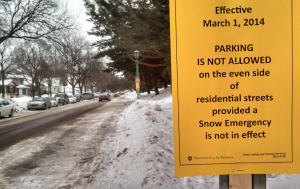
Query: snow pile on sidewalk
x,y
145,157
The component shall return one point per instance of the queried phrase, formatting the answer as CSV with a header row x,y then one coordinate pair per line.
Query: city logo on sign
x,y
190,158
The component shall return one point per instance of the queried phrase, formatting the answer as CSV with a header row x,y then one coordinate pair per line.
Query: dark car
x,y
87,95
79,97
62,98
116,95
104,96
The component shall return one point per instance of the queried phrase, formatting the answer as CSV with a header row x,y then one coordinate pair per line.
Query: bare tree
x,y
5,61
70,54
29,61
90,69
33,19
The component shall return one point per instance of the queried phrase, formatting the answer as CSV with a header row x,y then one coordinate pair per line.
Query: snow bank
x,y
145,157
20,103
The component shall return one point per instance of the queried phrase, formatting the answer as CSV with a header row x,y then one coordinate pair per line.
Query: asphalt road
x,y
71,146
35,122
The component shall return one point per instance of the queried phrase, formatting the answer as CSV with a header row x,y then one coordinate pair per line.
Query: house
x,y
18,86
10,88
24,87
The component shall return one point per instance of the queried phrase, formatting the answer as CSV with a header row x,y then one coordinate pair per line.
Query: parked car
x,y
104,96
87,95
96,95
72,99
62,98
6,108
79,97
43,95
91,93
39,103
116,95
121,93
54,101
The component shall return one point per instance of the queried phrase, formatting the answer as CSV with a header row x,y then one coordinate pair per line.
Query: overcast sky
x,y
79,9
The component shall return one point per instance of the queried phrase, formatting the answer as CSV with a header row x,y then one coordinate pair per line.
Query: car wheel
x,y
49,107
28,109
11,113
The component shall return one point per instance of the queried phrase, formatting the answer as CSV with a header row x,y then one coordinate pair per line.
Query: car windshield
x,y
38,99
51,98
70,96
3,102
59,95
86,94
103,94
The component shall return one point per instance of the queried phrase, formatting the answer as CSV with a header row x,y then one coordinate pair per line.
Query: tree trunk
x,y
154,82
50,92
2,77
33,90
165,82
80,87
73,89
39,90
147,84
148,87
155,86
38,87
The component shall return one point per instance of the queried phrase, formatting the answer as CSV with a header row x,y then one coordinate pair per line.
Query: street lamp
x,y
136,54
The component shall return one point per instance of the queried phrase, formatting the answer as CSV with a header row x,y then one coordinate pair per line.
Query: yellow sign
x,y
235,86
137,85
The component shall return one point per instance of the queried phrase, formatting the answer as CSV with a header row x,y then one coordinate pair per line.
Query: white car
x,y
96,95
43,95
72,99
54,101
6,108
